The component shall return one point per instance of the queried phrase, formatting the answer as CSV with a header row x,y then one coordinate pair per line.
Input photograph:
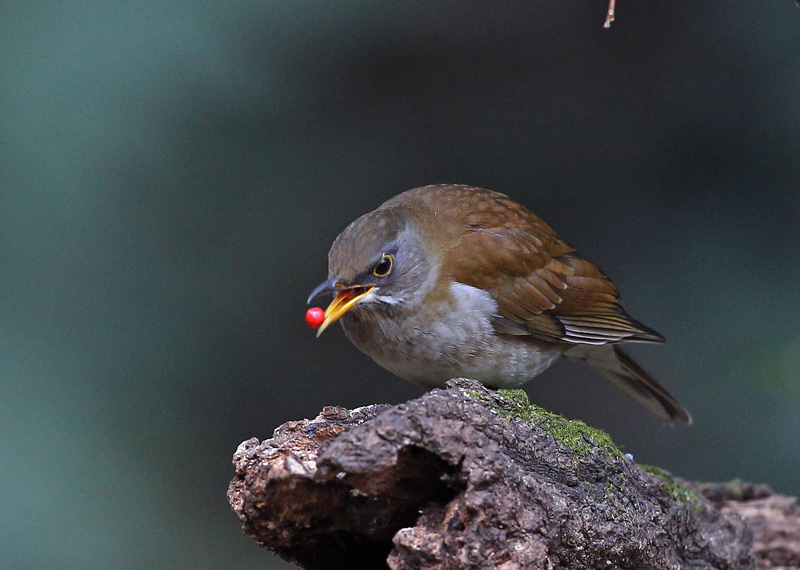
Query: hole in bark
x,y
370,508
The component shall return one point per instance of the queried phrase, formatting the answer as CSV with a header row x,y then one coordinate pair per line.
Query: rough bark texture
x,y
773,519
469,478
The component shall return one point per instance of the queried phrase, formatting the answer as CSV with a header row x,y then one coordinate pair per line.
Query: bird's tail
x,y
616,365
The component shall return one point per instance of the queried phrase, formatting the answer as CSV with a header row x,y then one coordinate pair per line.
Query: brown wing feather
x,y
541,286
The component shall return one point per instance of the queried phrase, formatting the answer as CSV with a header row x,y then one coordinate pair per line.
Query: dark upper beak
x,y
330,286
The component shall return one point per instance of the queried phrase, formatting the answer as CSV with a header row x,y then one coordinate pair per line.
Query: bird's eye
x,y
384,266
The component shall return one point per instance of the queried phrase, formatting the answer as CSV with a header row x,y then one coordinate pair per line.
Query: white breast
x,y
458,341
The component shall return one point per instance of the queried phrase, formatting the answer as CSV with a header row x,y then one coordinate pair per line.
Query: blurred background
x,y
173,174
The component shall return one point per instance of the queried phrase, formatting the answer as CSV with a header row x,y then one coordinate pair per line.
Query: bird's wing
x,y
542,288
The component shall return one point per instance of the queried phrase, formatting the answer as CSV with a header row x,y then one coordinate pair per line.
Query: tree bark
x,y
470,478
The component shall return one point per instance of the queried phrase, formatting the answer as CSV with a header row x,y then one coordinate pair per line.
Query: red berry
x,y
314,317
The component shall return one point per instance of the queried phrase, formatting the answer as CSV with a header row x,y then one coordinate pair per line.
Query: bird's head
x,y
377,265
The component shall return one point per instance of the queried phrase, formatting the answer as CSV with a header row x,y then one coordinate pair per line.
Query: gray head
x,y
376,265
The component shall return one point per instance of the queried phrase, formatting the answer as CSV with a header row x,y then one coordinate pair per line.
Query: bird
x,y
450,280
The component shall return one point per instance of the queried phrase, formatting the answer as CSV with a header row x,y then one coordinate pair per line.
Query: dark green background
x,y
172,175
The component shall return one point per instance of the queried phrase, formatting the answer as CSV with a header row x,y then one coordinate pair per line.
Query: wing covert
x,y
542,288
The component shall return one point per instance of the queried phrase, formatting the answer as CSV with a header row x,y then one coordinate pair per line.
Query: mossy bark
x,y
470,478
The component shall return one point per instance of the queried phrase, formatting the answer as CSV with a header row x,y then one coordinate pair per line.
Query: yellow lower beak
x,y
342,302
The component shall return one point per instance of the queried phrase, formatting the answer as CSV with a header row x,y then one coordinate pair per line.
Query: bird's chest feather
x,y
450,339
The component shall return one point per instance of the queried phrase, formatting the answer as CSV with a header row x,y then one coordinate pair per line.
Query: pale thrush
x,y
447,281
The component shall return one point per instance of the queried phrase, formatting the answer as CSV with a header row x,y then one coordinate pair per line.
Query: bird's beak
x,y
346,298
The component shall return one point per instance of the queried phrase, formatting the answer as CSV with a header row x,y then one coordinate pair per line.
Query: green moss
x,y
572,434
474,394
681,492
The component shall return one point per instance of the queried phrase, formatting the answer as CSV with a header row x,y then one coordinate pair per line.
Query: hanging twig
x,y
610,13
